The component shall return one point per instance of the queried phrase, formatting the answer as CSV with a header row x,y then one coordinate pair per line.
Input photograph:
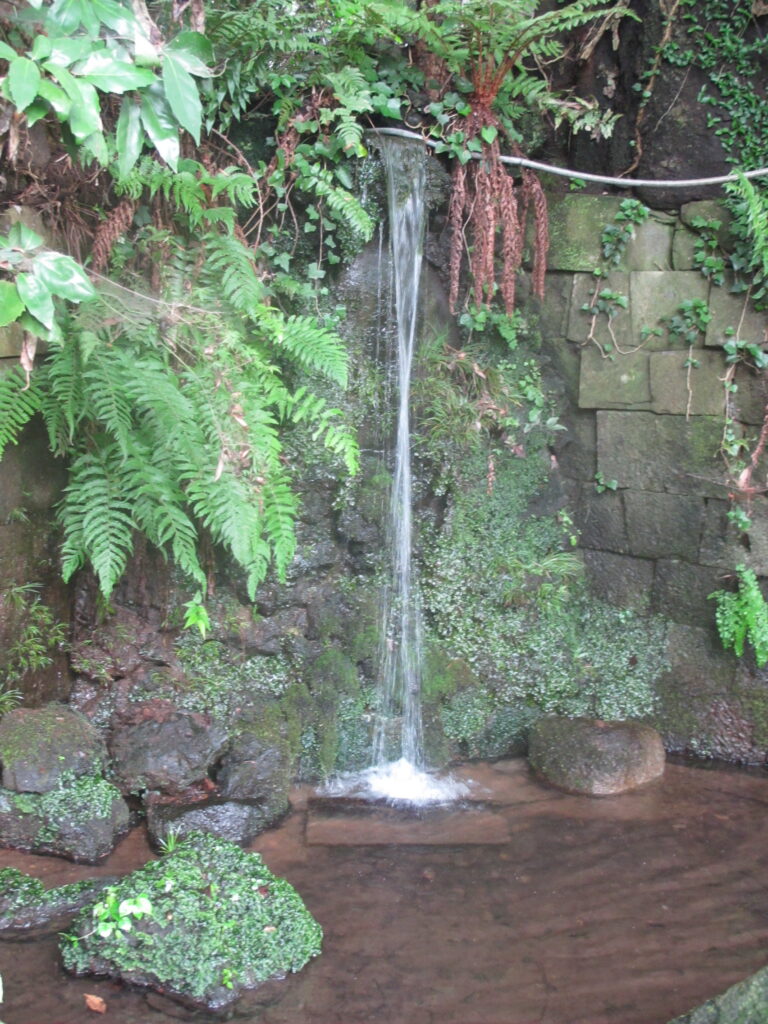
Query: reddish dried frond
x,y
117,223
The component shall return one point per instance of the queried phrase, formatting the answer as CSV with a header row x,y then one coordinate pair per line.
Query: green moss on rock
x,y
220,923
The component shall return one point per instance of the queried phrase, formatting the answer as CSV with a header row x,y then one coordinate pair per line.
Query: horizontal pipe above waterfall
x,y
564,172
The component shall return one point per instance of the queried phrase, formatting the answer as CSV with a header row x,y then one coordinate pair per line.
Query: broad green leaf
x,y
145,53
66,51
182,95
489,133
57,98
115,16
62,276
23,80
35,111
68,14
41,48
110,75
36,298
85,116
129,136
160,125
22,237
193,51
11,304
7,52
30,323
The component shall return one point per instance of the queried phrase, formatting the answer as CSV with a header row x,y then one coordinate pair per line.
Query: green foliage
x,y
113,916
743,616
616,236
502,595
217,914
72,51
36,635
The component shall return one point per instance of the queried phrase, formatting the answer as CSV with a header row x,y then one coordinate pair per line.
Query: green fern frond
x,y
230,268
313,347
96,517
280,507
62,402
19,402
743,616
106,380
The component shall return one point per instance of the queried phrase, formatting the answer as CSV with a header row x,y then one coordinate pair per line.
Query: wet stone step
x,y
348,821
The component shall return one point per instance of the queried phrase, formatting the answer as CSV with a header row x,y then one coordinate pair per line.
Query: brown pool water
x,y
536,906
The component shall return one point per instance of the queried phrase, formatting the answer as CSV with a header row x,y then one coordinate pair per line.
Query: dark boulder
x,y
165,750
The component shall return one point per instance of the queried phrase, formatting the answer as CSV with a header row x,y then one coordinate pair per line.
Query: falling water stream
x,y
399,769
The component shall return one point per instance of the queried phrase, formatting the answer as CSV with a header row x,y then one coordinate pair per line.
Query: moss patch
x,y
220,922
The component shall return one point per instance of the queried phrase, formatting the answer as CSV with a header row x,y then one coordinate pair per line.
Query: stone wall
x,y
645,419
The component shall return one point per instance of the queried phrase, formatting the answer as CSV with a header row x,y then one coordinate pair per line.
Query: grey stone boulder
x,y
743,1003
238,821
166,751
81,819
257,766
39,745
587,755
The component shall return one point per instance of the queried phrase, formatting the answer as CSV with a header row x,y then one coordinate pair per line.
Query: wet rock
x,y
586,755
28,910
257,767
221,924
39,745
238,821
743,1003
166,750
81,819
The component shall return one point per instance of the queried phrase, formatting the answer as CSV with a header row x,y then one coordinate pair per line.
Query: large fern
x,y
19,401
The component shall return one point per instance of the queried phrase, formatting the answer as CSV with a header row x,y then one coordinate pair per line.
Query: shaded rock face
x,y
38,746
585,755
167,754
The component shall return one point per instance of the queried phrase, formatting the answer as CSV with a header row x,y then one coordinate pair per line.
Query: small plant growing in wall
x,y
743,616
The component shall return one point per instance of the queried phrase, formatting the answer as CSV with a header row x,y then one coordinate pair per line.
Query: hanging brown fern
x,y
487,42
116,224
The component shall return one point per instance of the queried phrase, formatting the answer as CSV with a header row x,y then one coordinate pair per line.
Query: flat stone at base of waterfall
x,y
349,821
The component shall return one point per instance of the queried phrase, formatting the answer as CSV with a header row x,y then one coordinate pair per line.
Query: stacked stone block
x,y
647,412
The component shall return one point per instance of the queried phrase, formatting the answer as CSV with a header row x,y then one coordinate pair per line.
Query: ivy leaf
x,y
36,298
23,81
11,304
182,95
160,125
193,51
62,276
129,136
110,75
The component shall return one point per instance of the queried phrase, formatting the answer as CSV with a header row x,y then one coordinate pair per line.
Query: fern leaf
x,y
96,517
18,404
313,347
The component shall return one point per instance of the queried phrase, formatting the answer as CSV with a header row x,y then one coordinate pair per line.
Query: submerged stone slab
x,y
350,821
596,758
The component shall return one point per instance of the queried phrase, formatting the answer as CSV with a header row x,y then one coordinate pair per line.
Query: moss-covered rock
x,y
29,910
81,819
219,923
39,745
584,755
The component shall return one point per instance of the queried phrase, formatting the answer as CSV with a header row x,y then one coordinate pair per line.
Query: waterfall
x,y
402,643
398,769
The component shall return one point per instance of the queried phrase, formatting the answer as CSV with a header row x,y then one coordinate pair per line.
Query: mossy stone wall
x,y
646,415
